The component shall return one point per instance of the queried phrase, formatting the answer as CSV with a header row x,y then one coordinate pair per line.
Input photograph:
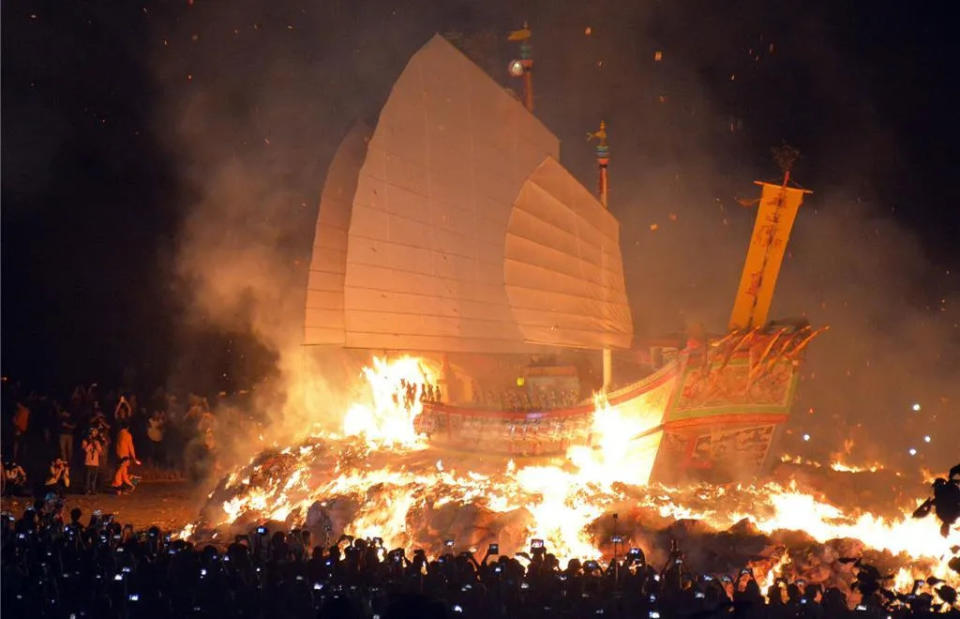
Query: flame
x,y
379,472
775,571
849,468
788,459
388,420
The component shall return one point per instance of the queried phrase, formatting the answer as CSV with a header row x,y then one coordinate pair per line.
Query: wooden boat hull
x,y
710,417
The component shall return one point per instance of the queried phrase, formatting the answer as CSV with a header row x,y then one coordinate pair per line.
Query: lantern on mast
x,y
523,66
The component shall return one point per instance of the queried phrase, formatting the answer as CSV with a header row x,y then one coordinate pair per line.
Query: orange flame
x,y
392,481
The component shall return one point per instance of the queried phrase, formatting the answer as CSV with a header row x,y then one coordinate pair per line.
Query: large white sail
x,y
448,172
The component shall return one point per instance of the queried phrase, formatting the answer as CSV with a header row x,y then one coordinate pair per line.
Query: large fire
x,y
379,478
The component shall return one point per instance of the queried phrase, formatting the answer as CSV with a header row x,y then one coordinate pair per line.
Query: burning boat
x,y
450,231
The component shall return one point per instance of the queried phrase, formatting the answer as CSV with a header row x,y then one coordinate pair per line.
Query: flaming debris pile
x,y
380,479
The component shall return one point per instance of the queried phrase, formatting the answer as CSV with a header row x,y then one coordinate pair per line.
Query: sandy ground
x,y
169,505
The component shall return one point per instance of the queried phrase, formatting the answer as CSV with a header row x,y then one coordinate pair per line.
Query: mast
x,y
523,66
603,159
771,232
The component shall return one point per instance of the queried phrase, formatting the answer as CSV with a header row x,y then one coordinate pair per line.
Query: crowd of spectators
x,y
59,565
106,434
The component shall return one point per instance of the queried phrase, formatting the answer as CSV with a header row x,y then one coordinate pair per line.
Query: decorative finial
x,y
600,134
785,156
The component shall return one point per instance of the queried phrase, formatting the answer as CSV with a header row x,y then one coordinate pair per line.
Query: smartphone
x,y
616,539
262,530
378,541
536,543
448,543
493,549
134,597
634,552
591,565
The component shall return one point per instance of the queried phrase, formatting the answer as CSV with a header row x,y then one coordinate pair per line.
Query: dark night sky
x,y
95,189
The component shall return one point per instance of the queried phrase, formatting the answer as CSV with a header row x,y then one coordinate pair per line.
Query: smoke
x,y
259,97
